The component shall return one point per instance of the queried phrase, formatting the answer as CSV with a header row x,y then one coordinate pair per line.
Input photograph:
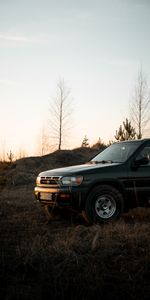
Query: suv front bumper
x,y
60,197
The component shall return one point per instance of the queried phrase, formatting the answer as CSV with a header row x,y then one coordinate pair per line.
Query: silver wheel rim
x,y
105,206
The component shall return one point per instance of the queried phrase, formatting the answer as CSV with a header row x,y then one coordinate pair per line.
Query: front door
x,y
139,175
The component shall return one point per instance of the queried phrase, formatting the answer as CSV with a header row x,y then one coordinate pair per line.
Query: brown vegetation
x,y
67,258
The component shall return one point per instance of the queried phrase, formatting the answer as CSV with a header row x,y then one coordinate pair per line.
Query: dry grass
x,y
69,259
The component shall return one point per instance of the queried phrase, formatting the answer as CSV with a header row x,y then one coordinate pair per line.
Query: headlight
x,y
72,180
38,179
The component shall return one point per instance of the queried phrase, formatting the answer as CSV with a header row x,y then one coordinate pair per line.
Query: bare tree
x,y
10,156
43,141
140,105
44,145
60,113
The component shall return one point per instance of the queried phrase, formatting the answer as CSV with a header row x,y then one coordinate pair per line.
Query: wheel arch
x,y
113,183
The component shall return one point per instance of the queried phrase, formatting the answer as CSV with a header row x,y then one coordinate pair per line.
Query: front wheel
x,y
104,204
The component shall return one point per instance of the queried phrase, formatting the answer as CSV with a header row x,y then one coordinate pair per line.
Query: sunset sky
x,y
97,46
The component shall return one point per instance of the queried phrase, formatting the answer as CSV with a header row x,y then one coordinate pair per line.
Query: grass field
x,y
68,259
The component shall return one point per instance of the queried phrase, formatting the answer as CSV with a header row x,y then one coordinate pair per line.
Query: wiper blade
x,y
103,162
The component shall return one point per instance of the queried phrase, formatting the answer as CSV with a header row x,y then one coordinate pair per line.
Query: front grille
x,y
50,180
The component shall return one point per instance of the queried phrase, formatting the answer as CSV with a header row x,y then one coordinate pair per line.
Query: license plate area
x,y
46,196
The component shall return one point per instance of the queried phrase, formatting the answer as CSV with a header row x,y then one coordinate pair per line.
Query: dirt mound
x,y
25,170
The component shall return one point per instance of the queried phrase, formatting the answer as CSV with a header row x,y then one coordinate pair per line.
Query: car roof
x,y
140,141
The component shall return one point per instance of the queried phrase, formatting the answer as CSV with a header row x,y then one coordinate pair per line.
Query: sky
x,y
96,46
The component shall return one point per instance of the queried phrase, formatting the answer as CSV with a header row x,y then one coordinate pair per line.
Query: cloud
x,y
7,82
7,37
85,16
17,38
121,63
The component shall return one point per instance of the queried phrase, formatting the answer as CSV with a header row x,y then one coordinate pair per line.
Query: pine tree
x,y
126,132
85,142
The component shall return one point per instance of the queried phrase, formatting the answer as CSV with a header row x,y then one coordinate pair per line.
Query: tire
x,y
104,204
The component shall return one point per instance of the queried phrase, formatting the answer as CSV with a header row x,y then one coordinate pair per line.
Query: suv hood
x,y
78,169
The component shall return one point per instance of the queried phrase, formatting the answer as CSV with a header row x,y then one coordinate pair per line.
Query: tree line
x,y
60,117
139,112
133,127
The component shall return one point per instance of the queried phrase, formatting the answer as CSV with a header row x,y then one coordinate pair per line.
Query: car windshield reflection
x,y
116,153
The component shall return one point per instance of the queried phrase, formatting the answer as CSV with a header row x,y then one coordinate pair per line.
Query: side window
x,y
145,153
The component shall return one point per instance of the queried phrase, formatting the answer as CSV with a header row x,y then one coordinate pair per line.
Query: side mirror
x,y
141,161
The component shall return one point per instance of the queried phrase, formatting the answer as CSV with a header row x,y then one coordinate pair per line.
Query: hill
x,y
25,170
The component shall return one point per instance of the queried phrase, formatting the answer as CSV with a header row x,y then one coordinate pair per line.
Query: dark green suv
x,y
115,180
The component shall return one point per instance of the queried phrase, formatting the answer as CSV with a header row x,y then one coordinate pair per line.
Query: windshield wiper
x,y
103,162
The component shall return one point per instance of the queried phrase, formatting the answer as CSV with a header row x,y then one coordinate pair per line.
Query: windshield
x,y
118,152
